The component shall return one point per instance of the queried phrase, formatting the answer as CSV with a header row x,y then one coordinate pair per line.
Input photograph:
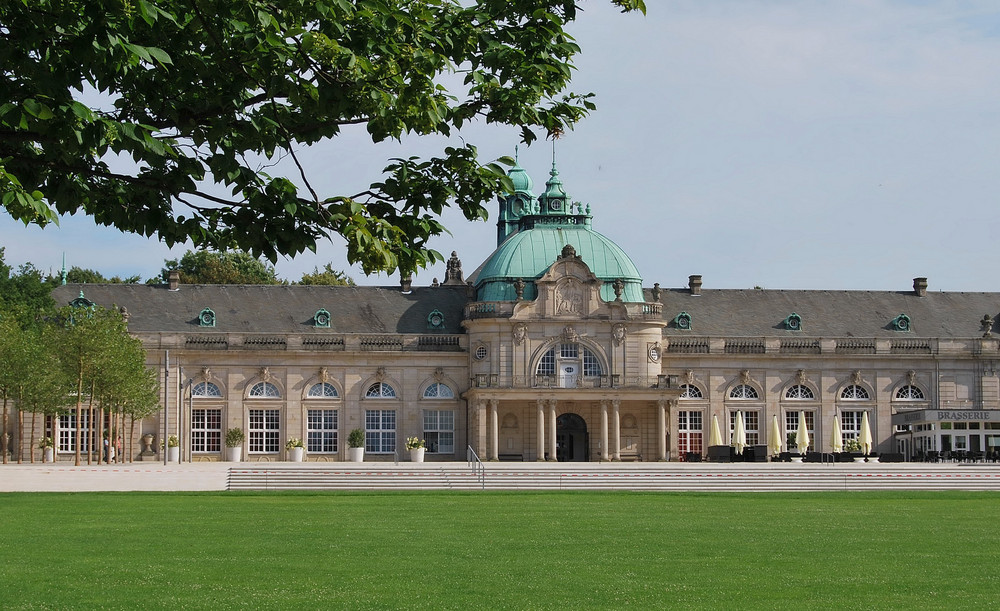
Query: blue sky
x,y
799,144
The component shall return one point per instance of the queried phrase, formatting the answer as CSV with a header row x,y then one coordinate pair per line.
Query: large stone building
x,y
554,350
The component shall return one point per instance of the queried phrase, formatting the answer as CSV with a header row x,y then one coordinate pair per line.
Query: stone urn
x,y
147,442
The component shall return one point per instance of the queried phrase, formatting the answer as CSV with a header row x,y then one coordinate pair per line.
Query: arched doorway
x,y
571,439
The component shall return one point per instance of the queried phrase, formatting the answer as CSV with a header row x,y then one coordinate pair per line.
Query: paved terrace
x,y
723,477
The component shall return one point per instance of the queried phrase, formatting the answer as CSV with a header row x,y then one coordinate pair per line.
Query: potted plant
x,y
173,449
853,447
234,444
48,449
416,448
295,448
792,445
356,445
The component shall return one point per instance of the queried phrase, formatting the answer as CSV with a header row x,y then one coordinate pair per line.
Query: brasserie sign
x,y
947,415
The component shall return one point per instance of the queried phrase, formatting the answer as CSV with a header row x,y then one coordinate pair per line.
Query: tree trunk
x,y
3,436
79,410
20,434
131,439
31,446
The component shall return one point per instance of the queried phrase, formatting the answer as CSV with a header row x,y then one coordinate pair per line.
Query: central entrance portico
x,y
571,439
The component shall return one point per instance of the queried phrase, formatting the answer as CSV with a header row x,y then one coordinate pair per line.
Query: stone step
x,y
616,478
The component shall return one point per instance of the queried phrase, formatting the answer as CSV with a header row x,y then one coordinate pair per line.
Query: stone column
x,y
616,430
541,430
494,431
661,430
605,455
552,430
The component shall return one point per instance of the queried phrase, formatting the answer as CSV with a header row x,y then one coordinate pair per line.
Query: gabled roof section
x,y
276,309
865,314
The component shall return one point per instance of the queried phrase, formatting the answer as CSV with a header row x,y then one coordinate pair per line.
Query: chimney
x,y
173,279
920,287
694,283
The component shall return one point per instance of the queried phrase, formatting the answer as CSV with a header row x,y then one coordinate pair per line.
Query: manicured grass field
x,y
434,550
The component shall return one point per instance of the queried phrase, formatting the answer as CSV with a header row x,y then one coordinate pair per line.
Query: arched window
x,y
567,353
799,392
690,391
205,390
743,391
323,390
855,393
264,390
439,391
380,390
909,393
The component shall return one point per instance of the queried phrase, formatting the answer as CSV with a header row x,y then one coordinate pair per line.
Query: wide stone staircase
x,y
733,477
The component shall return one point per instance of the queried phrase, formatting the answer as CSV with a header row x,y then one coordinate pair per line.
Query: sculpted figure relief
x,y
569,298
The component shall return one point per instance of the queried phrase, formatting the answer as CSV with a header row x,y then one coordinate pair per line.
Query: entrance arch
x,y
572,443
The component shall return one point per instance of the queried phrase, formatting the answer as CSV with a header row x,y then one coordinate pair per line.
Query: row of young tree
x,y
194,267
78,361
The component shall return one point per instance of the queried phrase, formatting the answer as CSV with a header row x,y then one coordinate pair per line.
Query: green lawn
x,y
436,550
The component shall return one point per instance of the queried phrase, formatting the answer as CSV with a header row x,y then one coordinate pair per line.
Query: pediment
x,y
568,289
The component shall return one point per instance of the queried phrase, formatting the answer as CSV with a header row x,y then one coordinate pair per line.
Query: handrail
x,y
395,457
478,468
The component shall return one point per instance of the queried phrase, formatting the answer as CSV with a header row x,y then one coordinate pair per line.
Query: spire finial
x,y
63,273
515,154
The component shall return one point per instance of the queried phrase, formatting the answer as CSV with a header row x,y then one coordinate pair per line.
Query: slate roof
x,y
868,314
366,309
276,309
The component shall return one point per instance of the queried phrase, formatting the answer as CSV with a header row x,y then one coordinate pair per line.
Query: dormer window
x,y
206,318
793,322
321,319
683,321
901,323
435,320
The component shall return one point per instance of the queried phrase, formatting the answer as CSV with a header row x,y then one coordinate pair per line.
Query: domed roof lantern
x,y
518,176
554,200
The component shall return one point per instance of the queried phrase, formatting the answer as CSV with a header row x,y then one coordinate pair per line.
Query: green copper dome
x,y
531,235
528,254
522,182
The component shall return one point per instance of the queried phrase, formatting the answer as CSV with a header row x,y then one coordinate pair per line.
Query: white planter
x,y
173,454
859,459
296,454
48,455
417,454
356,454
234,454
796,459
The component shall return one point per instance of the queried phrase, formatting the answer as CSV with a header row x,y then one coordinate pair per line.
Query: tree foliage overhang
x,y
198,92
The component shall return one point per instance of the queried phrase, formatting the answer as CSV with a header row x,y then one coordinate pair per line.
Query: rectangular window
x,y
751,423
689,432
67,432
206,430
439,431
380,431
569,351
850,424
264,431
792,426
321,435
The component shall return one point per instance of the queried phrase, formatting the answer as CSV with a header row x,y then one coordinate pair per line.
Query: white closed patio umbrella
x,y
740,434
715,435
802,435
837,437
866,435
774,437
